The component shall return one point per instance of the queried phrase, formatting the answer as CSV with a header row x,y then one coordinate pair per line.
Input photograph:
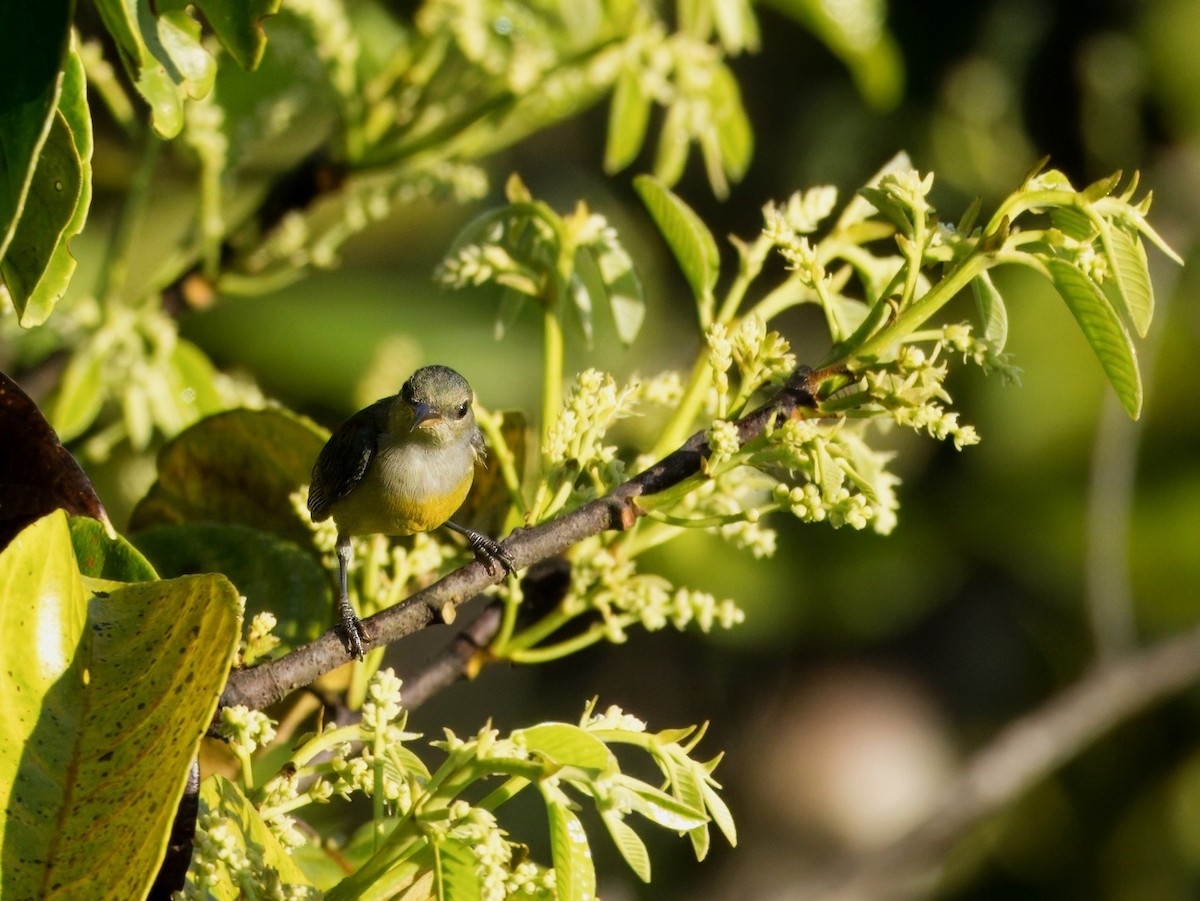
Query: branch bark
x,y
263,685
1025,752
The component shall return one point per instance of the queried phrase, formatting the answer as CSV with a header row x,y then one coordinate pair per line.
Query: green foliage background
x,y
1067,536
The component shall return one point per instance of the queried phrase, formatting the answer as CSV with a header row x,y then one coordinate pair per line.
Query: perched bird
x,y
402,465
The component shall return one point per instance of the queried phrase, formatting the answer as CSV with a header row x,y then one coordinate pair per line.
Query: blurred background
x,y
868,669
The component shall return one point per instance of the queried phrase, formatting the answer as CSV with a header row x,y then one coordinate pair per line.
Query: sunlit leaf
x,y
667,810
859,208
567,745
454,874
164,57
631,846
244,830
628,116
718,810
1103,330
622,287
103,556
54,195
734,135
107,698
238,25
574,872
33,44
1130,288
856,31
674,141
41,285
686,235
80,394
992,312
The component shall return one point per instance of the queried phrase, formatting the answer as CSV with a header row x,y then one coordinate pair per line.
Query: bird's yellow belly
x,y
404,493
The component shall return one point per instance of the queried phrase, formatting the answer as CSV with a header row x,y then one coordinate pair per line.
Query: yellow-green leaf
x,y
54,194
629,843
33,44
574,873
1130,288
37,305
1104,331
244,827
107,698
628,116
686,234
567,745
992,312
455,875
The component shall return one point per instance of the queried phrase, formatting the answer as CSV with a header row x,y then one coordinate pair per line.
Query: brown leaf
x,y
37,474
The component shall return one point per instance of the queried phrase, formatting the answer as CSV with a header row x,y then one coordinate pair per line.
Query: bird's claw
x,y
489,553
355,634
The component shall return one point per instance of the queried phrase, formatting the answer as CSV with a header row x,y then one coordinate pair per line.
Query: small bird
x,y
402,465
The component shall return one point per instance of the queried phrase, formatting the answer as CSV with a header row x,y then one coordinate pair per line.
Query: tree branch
x,y
1026,751
263,685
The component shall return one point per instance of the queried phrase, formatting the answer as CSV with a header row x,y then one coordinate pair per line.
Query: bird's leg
x,y
356,632
487,551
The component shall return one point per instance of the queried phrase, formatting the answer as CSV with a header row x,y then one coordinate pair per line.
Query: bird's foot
x,y
355,634
489,553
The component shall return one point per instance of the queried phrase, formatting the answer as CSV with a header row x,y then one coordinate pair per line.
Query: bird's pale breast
x,y
408,488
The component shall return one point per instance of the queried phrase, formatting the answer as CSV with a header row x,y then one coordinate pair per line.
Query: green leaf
x,y
734,136
666,810
33,43
674,141
859,208
35,302
1130,289
80,394
622,287
567,745
688,237
455,872
246,832
686,787
628,116
54,194
236,467
574,873
273,574
631,846
992,312
1103,330
856,32
106,701
164,58
238,24
1073,222
103,557
719,812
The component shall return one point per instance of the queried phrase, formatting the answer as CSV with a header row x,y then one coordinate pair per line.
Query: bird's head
x,y
434,406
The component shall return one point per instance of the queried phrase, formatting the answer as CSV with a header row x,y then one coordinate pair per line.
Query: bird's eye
x,y
462,409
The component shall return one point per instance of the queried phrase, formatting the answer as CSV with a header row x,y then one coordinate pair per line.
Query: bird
x,y
400,466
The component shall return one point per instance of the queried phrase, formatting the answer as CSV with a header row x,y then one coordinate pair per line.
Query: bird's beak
x,y
422,413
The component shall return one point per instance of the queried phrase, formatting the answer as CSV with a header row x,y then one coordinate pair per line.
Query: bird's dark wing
x,y
344,459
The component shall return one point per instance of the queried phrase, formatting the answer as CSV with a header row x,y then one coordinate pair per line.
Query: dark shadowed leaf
x,y
236,467
37,474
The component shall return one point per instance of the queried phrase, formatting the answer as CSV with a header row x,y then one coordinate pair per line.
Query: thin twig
x,y
263,685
